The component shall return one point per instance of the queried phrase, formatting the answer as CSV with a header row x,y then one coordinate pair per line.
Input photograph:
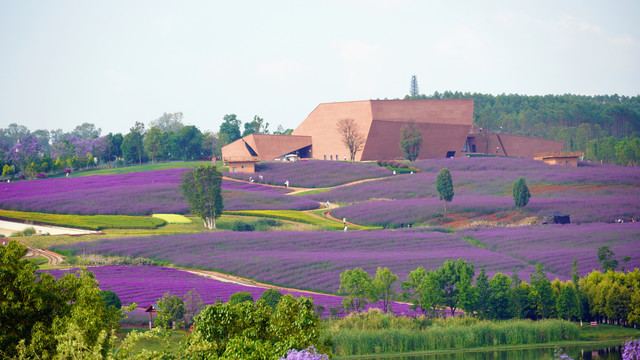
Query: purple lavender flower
x,y
631,350
309,353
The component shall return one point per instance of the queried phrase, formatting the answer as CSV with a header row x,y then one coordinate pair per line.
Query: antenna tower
x,y
414,86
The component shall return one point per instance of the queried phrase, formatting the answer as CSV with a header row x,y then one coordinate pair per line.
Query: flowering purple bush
x,y
631,350
309,353
41,176
141,193
555,246
307,260
313,174
145,285
25,149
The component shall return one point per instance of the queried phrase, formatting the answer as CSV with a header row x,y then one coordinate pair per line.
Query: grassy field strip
x,y
296,216
142,168
90,222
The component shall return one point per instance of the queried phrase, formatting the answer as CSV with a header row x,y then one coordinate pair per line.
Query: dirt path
x,y
52,258
246,282
300,190
303,190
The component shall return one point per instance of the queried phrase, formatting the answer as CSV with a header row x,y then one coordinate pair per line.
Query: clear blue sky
x,y
113,63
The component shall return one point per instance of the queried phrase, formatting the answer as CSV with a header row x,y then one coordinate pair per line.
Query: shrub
x,y
26,232
42,176
271,297
240,297
111,299
242,226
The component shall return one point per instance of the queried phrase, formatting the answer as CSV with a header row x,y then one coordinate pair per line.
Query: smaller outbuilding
x,y
560,158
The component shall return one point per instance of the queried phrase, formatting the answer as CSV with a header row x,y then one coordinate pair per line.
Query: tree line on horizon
x,y
605,127
36,153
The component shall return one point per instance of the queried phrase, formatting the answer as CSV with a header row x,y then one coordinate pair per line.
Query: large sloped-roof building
x,y
446,126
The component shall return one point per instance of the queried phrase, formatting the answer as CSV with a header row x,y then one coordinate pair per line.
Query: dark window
x,y
450,154
473,148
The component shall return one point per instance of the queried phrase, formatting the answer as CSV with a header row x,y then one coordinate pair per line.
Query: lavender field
x,y
313,173
557,245
141,193
589,208
590,193
312,260
145,285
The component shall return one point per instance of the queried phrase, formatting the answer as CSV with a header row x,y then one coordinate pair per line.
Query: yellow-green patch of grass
x,y
297,216
90,222
173,218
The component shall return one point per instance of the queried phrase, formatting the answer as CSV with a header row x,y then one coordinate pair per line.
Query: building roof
x,y
257,147
443,123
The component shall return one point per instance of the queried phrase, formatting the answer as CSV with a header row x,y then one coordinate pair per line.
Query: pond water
x,y
577,352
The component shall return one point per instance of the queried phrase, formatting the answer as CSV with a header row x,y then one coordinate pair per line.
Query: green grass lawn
x,y
170,345
89,222
144,167
607,332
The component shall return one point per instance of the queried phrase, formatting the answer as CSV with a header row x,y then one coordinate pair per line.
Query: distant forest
x,y
605,127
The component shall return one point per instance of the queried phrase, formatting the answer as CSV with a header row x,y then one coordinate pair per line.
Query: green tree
x,y
521,194
8,171
432,294
410,141
240,297
412,288
202,188
383,287
171,122
155,142
257,126
499,297
171,311
575,277
86,131
271,297
482,288
444,185
357,285
229,129
449,276
254,331
606,258
567,303
351,136
41,309
543,298
193,304
133,145
468,296
188,143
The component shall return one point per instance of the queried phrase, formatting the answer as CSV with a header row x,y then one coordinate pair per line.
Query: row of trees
x,y
580,121
166,138
611,296
71,318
